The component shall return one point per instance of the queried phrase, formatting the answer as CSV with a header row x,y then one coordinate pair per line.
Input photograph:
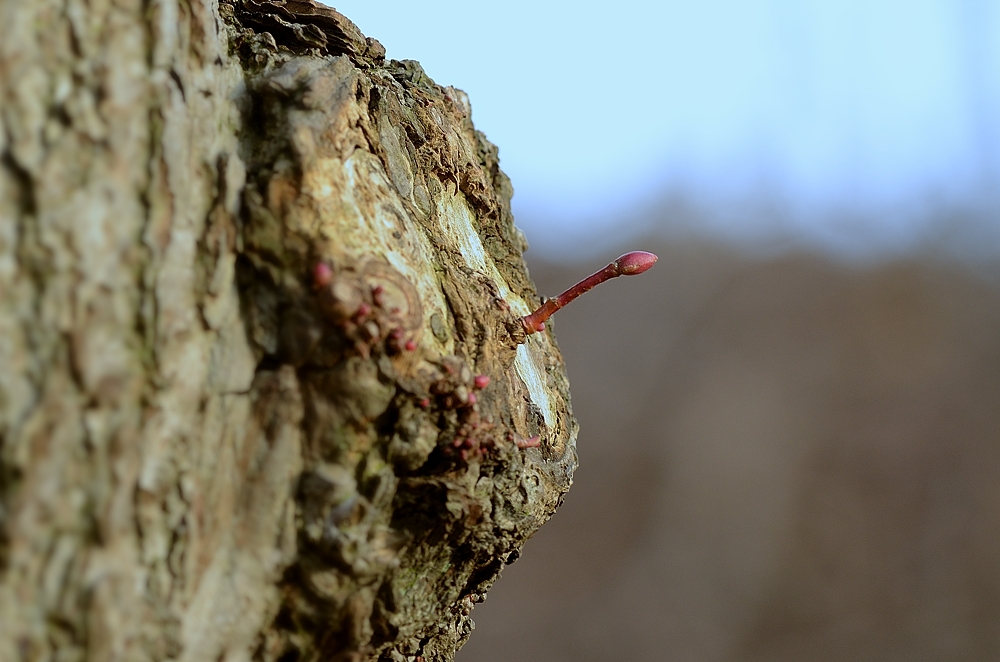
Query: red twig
x,y
627,265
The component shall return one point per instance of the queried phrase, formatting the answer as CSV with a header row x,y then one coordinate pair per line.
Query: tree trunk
x,y
253,280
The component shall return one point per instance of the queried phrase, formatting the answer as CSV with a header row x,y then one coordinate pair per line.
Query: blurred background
x,y
790,427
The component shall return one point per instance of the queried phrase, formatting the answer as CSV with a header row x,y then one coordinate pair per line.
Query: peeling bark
x,y
209,448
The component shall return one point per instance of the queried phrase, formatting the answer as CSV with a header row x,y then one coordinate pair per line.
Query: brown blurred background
x,y
781,458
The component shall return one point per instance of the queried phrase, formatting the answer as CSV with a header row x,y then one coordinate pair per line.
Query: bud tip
x,y
635,262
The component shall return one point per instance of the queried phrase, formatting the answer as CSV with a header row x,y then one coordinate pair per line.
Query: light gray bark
x,y
204,453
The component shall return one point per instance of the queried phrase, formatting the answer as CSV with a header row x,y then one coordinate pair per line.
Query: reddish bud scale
x,y
629,264
322,274
530,442
481,381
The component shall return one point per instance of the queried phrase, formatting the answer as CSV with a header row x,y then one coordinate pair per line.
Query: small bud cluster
x,y
361,313
457,390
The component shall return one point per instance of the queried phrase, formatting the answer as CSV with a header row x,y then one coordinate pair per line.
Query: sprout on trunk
x,y
629,264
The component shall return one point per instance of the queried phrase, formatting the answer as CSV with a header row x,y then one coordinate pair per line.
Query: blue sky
x,y
879,108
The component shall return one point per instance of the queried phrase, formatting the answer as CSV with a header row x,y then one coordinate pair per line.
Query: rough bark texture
x,y
208,449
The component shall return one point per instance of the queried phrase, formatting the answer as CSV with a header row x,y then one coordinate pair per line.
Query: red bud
x,y
322,274
635,262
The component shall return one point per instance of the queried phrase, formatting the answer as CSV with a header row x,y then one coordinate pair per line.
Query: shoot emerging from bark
x,y
627,265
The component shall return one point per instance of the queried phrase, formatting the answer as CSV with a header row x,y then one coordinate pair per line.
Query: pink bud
x,y
410,346
364,310
481,381
635,262
472,399
322,274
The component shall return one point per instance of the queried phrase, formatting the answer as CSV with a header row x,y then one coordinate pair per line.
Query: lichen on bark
x,y
210,449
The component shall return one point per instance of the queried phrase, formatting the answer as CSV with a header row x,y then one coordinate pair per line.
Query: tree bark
x,y
253,278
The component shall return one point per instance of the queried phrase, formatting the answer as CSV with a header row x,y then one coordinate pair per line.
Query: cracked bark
x,y
209,450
